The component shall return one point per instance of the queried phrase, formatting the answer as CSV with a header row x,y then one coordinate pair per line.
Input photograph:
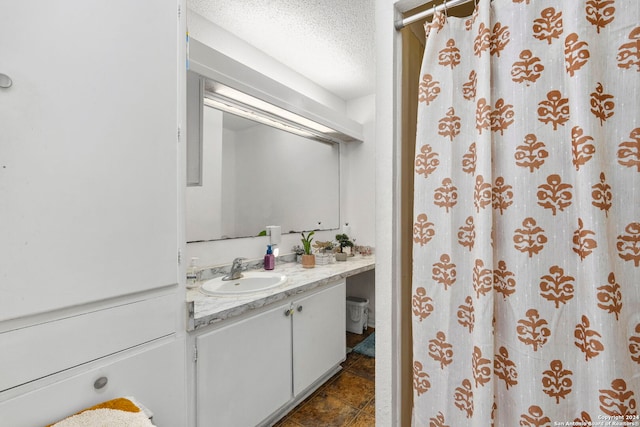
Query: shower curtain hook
x,y
446,12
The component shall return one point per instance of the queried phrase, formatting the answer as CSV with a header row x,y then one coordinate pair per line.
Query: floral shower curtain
x,y
526,276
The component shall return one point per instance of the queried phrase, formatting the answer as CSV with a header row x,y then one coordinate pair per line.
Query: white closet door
x,y
88,163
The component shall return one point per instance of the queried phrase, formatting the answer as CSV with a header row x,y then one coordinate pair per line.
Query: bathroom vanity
x,y
255,357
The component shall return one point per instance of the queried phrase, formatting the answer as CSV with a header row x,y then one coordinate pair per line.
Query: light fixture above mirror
x,y
234,84
227,99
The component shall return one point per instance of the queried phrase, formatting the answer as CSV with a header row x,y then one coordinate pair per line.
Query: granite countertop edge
x,y
204,310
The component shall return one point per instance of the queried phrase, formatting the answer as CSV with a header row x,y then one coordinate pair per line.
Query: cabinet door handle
x,y
288,312
100,383
299,309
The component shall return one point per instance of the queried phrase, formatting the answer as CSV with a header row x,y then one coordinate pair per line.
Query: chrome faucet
x,y
236,270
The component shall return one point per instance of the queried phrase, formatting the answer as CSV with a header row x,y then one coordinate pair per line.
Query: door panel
x,y
319,341
88,151
244,370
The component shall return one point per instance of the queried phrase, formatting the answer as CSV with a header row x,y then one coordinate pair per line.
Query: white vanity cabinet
x,y
243,370
250,369
319,342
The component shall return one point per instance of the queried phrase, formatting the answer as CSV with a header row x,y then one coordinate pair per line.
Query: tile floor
x,y
347,399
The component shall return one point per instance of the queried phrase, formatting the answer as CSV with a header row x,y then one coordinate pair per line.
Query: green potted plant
x,y
344,242
308,258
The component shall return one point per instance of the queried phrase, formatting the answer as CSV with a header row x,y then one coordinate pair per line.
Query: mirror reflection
x,y
254,175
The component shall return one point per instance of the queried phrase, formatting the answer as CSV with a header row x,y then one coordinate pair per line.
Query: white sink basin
x,y
250,283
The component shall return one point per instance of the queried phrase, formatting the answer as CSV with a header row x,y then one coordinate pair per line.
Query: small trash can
x,y
357,314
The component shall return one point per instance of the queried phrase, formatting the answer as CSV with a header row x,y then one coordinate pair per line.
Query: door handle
x,y
5,81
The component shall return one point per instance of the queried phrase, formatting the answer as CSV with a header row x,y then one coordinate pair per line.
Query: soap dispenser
x,y
269,259
192,274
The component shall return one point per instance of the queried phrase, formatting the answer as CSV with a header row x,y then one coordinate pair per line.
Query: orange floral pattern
x,y
526,228
555,195
600,13
446,196
556,381
618,400
587,339
505,369
548,26
429,89
532,330
528,69
556,286
610,296
427,161
422,304
440,350
634,345
602,195
583,243
421,382
531,154
504,281
582,150
444,272
529,239
629,52
629,151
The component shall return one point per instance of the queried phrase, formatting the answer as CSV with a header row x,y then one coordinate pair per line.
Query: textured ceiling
x,y
331,42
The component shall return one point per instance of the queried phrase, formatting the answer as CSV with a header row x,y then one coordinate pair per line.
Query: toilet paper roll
x,y
346,229
274,232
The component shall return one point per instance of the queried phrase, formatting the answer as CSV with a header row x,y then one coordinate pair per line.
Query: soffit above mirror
x,y
224,71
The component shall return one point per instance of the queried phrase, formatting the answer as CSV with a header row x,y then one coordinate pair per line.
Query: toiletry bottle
x,y
192,274
269,259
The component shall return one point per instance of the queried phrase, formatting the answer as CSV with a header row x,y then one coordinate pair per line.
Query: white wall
x,y
358,174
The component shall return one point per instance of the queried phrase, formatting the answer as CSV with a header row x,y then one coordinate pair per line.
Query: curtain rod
x,y
401,23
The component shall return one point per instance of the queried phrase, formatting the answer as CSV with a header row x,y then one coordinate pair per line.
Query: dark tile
x,y
346,399
370,409
354,339
352,389
364,366
363,420
350,359
323,410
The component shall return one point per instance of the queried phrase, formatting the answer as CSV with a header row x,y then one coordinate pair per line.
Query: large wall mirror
x,y
244,175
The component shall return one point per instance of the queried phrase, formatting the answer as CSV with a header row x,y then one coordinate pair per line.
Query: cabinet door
x,y
319,342
154,377
243,371
88,151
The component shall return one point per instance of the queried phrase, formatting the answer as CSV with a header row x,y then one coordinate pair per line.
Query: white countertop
x,y
205,310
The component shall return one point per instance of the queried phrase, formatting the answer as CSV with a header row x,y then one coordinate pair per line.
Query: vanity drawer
x,y
152,374
36,351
